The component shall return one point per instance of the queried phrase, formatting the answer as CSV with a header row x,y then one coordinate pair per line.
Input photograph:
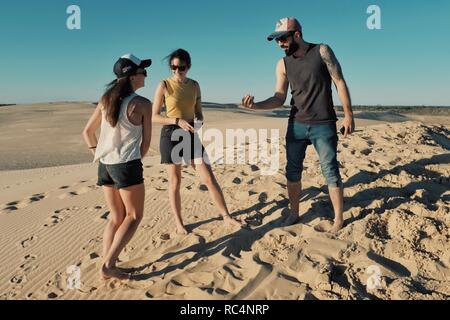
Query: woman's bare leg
x,y
133,199
207,177
116,216
174,173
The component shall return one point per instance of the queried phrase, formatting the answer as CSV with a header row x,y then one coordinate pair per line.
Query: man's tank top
x,y
310,82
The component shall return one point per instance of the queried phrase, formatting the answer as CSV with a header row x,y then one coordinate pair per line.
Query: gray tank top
x,y
310,82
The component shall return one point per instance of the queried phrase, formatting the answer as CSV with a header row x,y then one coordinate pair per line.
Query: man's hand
x,y
248,102
349,125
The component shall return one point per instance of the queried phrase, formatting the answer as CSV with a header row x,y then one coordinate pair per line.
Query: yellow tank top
x,y
180,99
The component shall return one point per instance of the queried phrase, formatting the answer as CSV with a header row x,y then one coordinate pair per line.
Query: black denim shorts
x,y
121,175
177,145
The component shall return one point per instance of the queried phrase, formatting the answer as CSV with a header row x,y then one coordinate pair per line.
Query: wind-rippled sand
x,y
397,195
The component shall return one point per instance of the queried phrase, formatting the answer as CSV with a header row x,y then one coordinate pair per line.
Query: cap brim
x,y
145,63
276,35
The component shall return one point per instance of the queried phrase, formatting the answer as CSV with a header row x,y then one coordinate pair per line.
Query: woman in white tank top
x,y
125,121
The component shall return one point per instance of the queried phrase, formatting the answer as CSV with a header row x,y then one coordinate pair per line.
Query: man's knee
x,y
293,176
332,176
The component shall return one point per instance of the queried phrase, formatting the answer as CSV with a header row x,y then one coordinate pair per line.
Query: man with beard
x,y
309,69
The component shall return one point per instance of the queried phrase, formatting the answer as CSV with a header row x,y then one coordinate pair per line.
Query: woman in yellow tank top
x,y
182,99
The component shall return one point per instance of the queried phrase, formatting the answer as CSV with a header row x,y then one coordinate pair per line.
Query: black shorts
x,y
121,175
187,145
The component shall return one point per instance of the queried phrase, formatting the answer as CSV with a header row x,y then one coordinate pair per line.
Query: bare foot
x,y
181,230
291,219
113,272
338,224
233,222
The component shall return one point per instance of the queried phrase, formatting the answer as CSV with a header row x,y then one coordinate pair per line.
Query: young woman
x,y
182,99
125,119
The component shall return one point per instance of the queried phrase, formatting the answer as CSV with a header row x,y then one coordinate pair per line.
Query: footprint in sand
x,y
59,216
105,215
10,208
237,180
27,242
93,244
323,226
37,197
165,237
78,192
53,220
18,204
28,263
18,279
68,194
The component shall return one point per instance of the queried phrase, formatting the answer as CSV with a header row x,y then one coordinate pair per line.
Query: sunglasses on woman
x,y
181,68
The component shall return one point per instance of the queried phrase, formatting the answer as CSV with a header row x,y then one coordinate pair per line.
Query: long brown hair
x,y
111,100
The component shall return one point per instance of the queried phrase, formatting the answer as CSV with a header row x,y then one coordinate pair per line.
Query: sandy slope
x,y
397,221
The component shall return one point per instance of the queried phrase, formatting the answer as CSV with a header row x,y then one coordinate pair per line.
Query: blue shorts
x,y
324,138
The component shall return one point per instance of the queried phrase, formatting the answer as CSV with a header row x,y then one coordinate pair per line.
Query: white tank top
x,y
122,143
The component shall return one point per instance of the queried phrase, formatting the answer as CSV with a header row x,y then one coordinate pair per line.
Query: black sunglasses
x,y
144,72
283,38
181,68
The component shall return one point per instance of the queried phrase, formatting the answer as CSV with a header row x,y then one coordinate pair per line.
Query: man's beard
x,y
293,47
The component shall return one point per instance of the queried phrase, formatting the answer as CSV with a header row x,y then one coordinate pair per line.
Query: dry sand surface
x,y
397,195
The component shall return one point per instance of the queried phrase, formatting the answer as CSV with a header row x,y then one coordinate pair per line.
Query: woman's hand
x,y
183,124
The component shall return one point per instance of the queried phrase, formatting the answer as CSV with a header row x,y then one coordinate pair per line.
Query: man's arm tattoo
x,y
330,60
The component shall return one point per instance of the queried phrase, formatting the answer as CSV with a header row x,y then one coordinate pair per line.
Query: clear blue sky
x,y
405,63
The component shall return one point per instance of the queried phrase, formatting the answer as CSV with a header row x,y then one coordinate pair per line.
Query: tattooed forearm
x,y
331,62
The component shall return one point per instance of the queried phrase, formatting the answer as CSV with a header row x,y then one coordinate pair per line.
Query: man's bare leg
x,y
337,199
294,192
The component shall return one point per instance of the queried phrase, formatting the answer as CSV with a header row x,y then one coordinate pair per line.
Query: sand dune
x,y
397,223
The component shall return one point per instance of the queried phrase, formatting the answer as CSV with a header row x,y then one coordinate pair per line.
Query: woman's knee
x,y
116,221
135,216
